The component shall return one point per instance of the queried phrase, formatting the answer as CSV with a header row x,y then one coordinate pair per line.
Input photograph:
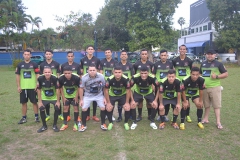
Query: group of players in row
x,y
106,82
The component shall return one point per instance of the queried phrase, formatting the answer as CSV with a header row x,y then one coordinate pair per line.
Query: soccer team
x,y
103,83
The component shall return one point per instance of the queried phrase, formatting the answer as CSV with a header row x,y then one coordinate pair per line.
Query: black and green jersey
x,y
191,87
48,87
85,63
144,87
169,91
27,72
74,66
207,68
127,69
161,69
70,86
107,67
137,66
117,88
182,67
55,66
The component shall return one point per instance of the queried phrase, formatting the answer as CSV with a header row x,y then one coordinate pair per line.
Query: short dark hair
x,y
108,49
123,51
172,71
143,50
211,51
144,68
27,50
67,68
70,52
117,67
89,46
47,67
183,45
195,69
92,65
163,50
48,50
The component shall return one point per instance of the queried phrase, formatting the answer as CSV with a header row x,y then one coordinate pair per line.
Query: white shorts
x,y
88,100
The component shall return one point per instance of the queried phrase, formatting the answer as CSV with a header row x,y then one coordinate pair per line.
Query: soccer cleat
x,y
37,119
139,118
104,127
126,126
200,125
95,118
182,126
55,128
119,119
75,127
188,119
43,128
23,120
175,125
82,128
133,126
153,125
162,125
47,118
110,126
166,118
158,118
68,118
60,117
63,127
88,118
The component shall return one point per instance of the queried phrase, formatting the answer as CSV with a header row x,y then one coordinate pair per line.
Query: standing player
x,y
26,76
75,70
160,70
193,88
183,65
137,66
212,71
92,84
128,71
117,89
143,90
69,84
48,92
85,62
170,93
55,67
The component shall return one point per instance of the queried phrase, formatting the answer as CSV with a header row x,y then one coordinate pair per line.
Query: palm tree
x,y
35,21
181,22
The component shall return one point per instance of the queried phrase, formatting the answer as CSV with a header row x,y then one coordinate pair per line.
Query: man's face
x,y
144,75
210,56
163,56
171,78
27,56
108,54
48,55
90,50
144,55
194,75
47,72
68,74
182,50
124,56
117,74
70,57
92,71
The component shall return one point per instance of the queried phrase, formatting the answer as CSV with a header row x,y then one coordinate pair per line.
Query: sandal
x,y
205,122
219,126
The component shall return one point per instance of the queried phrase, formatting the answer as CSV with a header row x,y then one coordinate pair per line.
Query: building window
x,y
196,30
209,26
205,28
192,30
200,29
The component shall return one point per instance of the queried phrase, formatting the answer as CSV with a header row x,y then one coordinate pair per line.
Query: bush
x,y
15,62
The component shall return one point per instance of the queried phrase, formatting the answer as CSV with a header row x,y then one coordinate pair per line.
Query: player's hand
x,y
133,104
35,89
40,104
126,106
64,99
178,106
104,101
75,99
19,89
200,104
185,104
81,103
213,75
57,104
154,104
109,107
161,106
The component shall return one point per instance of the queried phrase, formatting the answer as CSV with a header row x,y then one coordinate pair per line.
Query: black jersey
x,y
137,66
192,87
70,87
127,69
161,69
55,66
168,90
183,67
85,63
107,67
74,66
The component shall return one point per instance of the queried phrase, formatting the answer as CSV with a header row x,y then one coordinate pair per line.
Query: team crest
x,y
186,64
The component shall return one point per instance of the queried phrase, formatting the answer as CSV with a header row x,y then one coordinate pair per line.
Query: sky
x,y
47,9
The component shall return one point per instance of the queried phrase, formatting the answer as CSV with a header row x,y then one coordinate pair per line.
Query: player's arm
x,y
18,83
39,93
80,91
106,94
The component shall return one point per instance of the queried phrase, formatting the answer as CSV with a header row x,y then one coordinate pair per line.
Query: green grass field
x,y
20,142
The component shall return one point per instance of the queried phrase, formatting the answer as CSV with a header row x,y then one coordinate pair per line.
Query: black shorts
x,y
173,102
120,99
45,102
194,97
30,94
139,98
70,101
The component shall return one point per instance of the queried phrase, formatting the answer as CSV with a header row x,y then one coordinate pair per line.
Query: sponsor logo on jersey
x,y
177,63
212,65
186,64
85,62
43,83
22,66
52,66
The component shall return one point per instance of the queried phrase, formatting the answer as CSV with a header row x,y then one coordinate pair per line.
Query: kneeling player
x,y
48,93
170,93
117,89
193,88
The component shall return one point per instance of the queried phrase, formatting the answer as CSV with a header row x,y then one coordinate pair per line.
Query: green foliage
x,y
15,62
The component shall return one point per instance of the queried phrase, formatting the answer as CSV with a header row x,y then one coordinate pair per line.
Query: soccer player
x,y
85,62
55,67
117,89
69,84
48,92
137,66
183,65
193,88
212,71
143,90
170,93
27,73
160,70
75,70
128,71
92,84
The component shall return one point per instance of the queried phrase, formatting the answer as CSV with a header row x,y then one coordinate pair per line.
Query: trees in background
x,y
181,22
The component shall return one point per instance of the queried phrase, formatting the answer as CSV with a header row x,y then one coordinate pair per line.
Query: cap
x,y
211,51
